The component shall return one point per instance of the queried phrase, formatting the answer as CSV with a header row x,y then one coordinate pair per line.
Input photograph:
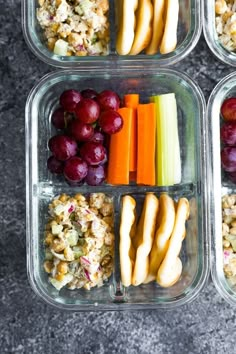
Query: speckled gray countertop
x,y
28,325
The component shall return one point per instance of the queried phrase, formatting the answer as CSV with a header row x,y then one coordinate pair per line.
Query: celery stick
x,y
60,47
168,164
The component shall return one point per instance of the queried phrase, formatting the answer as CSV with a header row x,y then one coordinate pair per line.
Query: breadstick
x,y
157,27
166,220
125,35
143,29
127,253
169,39
171,268
144,238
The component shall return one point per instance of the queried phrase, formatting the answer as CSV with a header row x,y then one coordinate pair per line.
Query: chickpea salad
x,y
225,11
75,27
79,241
229,236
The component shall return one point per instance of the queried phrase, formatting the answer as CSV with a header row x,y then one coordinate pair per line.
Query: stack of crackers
x,y
149,247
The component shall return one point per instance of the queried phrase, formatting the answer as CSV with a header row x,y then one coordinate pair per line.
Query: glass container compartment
x,y
42,187
188,33
219,185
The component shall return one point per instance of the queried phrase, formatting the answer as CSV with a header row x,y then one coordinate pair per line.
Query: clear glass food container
x,y
42,186
188,33
220,185
211,36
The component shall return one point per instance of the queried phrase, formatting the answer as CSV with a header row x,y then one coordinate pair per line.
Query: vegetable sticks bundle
x,y
147,149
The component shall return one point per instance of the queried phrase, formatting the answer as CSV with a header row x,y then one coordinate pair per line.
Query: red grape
x,y
104,160
63,147
93,153
75,169
95,176
110,121
89,93
228,133
58,118
228,109
108,99
81,131
107,139
97,137
69,100
228,159
87,111
232,176
54,165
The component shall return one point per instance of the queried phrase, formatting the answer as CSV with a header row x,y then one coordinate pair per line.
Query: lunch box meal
x,y
66,32
222,164
116,198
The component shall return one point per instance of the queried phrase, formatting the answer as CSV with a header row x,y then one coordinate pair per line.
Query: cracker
x,y
143,29
125,35
171,268
169,39
127,252
157,27
165,225
143,239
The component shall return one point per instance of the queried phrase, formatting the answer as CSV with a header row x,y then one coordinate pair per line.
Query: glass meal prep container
x,y
42,187
188,33
220,185
211,36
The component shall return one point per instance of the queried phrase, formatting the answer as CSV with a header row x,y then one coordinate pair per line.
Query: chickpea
x,y
69,254
220,7
59,277
63,197
106,209
58,245
105,261
232,231
62,267
80,197
108,220
49,238
58,3
48,265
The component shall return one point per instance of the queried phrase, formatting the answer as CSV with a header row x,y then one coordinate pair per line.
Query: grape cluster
x,y
228,137
85,119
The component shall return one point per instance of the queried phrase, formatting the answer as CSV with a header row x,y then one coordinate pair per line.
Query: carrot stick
x,y
119,151
132,100
146,123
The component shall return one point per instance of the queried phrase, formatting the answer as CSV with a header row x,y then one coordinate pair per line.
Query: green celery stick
x,y
168,163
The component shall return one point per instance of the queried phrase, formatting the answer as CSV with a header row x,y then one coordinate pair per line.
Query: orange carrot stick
x,y
146,126
119,151
132,100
